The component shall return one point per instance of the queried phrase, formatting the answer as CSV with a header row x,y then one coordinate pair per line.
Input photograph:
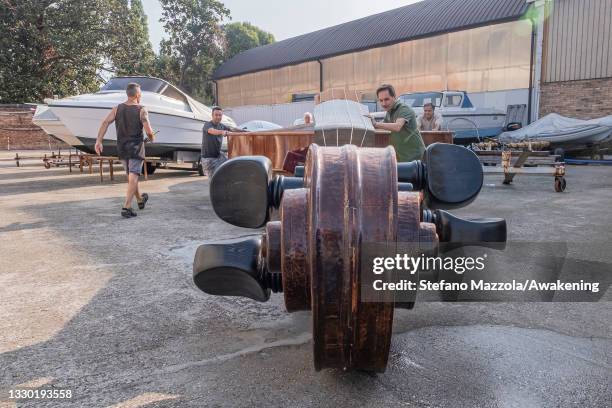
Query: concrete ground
x,y
106,307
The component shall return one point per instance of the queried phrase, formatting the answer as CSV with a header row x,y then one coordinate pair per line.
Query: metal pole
x,y
531,68
320,75
539,6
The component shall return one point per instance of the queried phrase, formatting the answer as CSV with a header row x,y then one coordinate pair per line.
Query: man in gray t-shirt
x,y
212,138
211,144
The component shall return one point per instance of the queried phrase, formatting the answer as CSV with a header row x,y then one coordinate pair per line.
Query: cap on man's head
x,y
132,89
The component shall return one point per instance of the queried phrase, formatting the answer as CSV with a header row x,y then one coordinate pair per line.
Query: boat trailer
x,y
521,158
346,198
48,160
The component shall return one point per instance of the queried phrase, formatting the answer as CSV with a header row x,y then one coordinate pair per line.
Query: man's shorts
x,y
133,166
210,164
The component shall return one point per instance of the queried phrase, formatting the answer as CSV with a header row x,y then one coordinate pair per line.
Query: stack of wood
x,y
534,145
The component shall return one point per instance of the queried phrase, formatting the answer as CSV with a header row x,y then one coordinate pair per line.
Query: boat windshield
x,y
167,91
146,84
417,100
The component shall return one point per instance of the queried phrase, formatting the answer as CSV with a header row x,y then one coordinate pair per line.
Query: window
x,y
172,92
176,95
417,100
146,84
453,100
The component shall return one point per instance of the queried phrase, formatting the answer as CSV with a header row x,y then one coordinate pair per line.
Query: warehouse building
x,y
577,59
544,54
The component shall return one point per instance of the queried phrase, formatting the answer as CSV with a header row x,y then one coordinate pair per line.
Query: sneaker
x,y
143,202
128,213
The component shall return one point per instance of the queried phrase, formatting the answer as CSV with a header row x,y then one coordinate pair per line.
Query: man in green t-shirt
x,y
400,120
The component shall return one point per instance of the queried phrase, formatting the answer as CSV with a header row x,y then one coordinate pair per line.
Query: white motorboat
x,y
177,118
458,114
259,126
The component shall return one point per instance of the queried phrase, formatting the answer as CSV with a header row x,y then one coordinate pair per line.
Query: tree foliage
x,y
49,47
67,47
195,42
244,36
129,50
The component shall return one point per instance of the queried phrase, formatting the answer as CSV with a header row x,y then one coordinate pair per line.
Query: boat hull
x,y
572,135
467,126
87,145
174,132
585,137
50,124
472,126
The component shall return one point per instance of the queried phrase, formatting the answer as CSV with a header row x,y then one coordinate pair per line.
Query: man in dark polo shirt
x,y
401,121
212,139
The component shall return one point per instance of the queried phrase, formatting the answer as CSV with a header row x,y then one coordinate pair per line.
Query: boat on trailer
x,y
568,134
459,115
177,118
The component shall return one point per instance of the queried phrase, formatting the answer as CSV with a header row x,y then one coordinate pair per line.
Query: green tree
x,y
244,36
50,47
129,48
194,45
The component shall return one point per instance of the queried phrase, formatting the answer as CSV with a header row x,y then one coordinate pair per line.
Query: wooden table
x,y
273,145
437,137
276,145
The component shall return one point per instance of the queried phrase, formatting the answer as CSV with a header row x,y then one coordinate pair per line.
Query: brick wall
x,y
587,99
18,131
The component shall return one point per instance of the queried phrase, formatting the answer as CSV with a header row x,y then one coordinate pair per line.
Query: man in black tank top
x,y
130,119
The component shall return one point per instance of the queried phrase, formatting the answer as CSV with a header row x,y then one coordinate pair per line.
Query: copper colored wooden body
x,y
276,145
437,137
273,145
350,197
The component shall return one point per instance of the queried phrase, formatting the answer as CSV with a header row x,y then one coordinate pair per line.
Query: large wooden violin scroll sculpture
x,y
343,198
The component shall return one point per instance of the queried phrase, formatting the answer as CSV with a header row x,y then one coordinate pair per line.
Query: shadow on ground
x,y
150,335
75,181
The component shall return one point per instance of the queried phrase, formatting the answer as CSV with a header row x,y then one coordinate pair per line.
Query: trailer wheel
x,y
560,184
47,165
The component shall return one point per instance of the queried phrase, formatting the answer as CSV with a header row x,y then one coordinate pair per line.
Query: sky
x,y
285,18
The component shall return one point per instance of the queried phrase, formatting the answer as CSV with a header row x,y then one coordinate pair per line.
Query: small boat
x,y
177,118
259,126
566,133
459,115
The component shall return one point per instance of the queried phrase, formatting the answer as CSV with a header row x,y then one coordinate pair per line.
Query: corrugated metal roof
x,y
423,19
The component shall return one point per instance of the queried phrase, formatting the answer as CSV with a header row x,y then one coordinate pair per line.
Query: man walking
x,y
130,119
212,138
400,120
